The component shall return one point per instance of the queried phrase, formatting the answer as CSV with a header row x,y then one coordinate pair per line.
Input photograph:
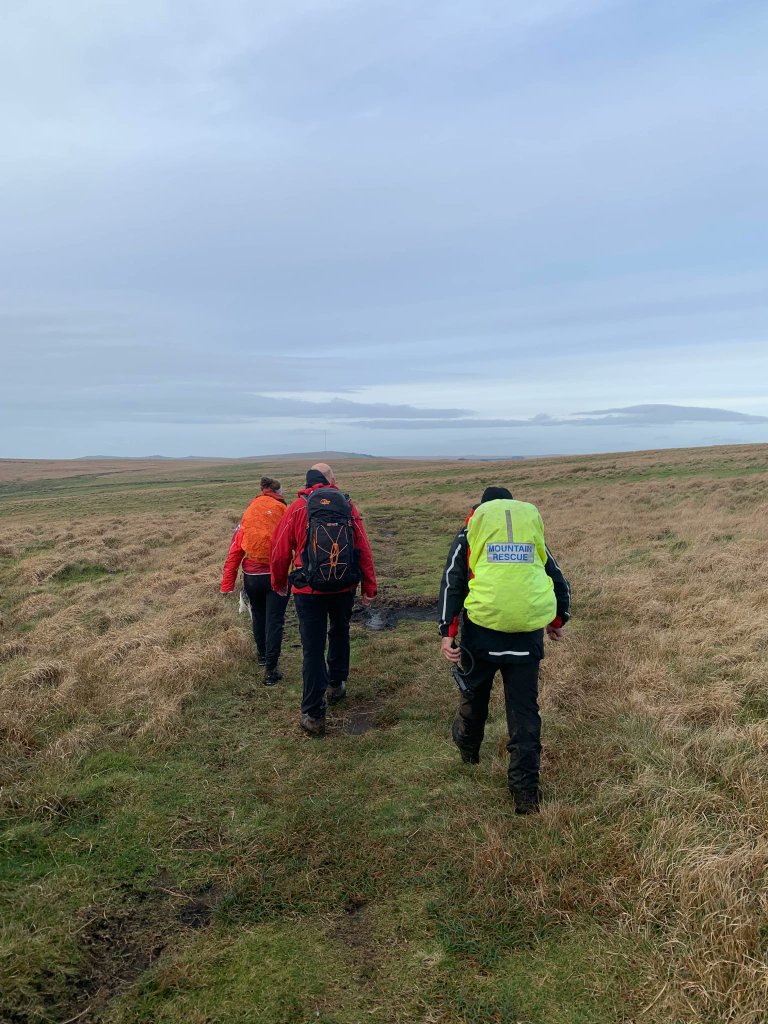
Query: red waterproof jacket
x,y
288,544
236,555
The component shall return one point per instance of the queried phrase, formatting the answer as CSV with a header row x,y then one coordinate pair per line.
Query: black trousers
x,y
521,693
267,615
323,617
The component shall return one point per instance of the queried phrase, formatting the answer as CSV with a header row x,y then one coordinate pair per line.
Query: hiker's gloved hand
x,y
453,654
555,632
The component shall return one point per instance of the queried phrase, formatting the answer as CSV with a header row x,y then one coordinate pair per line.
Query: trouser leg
x,y
521,693
312,612
276,606
340,615
469,726
257,588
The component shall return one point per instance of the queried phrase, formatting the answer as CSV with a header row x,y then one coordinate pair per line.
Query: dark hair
x,y
269,484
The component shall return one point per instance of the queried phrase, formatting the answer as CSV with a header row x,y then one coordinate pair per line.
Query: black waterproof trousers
x,y
323,617
267,616
518,660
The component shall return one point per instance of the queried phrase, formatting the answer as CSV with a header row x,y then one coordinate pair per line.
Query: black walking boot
x,y
336,692
272,677
467,756
526,800
313,726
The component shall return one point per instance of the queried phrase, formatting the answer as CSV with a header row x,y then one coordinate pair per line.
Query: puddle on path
x,y
378,619
358,722
357,718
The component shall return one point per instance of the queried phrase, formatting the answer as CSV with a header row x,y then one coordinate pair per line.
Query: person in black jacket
x,y
485,651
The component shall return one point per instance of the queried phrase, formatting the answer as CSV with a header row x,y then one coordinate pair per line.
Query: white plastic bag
x,y
245,604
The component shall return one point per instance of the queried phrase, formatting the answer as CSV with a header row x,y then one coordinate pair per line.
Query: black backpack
x,y
329,559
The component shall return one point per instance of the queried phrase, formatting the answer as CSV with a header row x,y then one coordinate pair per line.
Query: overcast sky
x,y
446,227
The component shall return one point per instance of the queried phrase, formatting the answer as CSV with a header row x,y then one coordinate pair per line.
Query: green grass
x,y
293,835
229,869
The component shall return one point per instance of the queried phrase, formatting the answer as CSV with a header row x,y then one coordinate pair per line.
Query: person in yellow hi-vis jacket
x,y
502,585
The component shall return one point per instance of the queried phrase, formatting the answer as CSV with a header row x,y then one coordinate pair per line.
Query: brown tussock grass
x,y
12,649
658,691
711,901
74,744
141,642
34,605
671,636
48,673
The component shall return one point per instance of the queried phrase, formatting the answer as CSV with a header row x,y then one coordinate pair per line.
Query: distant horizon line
x,y
318,455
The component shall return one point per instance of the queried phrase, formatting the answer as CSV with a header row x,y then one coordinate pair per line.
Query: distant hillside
x,y
283,456
308,456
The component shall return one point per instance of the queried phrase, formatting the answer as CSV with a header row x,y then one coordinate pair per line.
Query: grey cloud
x,y
642,415
340,408
443,424
204,202
631,416
193,402
264,407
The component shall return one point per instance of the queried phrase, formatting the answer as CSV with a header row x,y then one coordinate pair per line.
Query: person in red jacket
x,y
323,535
252,545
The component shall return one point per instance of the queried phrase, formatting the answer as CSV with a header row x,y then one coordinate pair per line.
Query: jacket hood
x,y
308,490
314,476
273,495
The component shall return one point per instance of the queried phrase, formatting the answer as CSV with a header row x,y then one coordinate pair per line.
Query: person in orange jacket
x,y
252,547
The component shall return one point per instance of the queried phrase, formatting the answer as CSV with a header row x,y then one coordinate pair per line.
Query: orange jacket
x,y
252,539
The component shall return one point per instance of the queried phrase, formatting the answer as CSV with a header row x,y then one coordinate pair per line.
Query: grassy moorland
x,y
174,850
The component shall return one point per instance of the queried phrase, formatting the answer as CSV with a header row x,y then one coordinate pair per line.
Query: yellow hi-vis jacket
x,y
509,589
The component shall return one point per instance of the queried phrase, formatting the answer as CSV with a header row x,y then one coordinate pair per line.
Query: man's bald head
x,y
325,469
